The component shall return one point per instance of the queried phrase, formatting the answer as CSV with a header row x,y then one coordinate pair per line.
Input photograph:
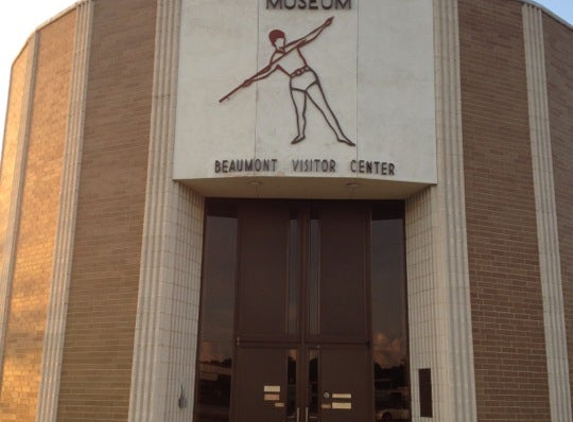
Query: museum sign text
x,y
309,4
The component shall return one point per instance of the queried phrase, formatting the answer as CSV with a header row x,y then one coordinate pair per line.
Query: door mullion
x,y
302,387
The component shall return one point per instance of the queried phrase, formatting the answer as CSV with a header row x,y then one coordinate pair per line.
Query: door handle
x,y
306,414
297,414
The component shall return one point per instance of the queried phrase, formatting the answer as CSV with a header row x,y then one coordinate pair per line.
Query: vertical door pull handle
x,y
306,414
297,414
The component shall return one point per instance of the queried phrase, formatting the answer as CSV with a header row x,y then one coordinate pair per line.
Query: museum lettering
x,y
310,4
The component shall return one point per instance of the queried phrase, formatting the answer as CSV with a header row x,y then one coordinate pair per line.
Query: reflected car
x,y
387,415
393,405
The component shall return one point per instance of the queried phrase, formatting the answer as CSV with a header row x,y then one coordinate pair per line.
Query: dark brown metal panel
x,y
261,385
343,305
425,392
345,375
263,273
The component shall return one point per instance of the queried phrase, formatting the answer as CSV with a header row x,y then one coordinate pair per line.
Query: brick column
x,y
168,307
436,232
547,232
15,152
61,271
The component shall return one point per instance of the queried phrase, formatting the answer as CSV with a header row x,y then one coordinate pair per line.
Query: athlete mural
x,y
304,83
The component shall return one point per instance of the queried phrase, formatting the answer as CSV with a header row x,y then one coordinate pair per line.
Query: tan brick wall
x,y
35,247
559,67
98,350
11,133
506,300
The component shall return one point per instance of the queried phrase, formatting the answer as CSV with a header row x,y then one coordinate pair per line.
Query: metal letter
x,y
274,4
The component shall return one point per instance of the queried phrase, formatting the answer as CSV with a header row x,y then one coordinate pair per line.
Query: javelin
x,y
267,67
263,70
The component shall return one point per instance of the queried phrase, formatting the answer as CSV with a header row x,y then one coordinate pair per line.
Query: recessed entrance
x,y
291,328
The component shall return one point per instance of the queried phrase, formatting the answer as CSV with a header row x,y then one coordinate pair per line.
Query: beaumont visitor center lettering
x,y
311,165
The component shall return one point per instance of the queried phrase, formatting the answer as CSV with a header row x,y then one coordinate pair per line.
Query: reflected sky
x,y
388,292
218,289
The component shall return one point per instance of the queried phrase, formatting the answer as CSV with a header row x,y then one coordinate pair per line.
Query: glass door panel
x,y
341,250
263,273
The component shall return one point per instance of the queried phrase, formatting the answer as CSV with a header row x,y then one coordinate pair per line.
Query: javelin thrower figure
x,y
304,82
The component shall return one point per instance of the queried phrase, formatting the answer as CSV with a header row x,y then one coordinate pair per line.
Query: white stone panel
x,y
332,57
374,86
219,48
396,109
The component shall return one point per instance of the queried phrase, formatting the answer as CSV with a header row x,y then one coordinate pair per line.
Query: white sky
x,y
19,18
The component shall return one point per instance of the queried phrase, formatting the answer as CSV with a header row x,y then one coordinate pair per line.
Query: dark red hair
x,y
275,34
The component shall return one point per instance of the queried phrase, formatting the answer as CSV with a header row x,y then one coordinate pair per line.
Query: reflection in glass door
x,y
288,334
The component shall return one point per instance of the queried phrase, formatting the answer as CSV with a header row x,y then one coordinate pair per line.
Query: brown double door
x,y
302,326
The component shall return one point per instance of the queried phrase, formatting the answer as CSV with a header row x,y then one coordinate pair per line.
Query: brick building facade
x,y
102,249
